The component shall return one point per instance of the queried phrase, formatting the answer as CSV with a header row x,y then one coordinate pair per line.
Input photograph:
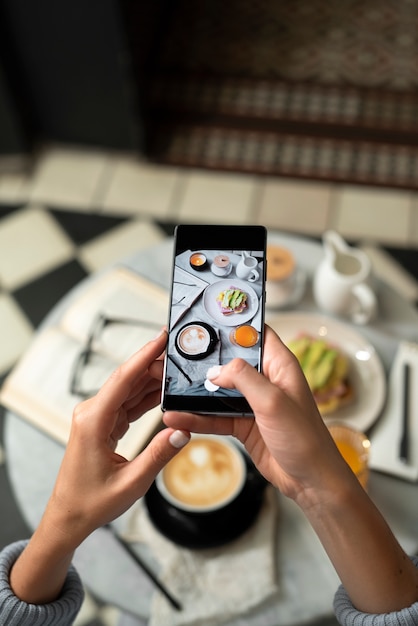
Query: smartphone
x,y
216,313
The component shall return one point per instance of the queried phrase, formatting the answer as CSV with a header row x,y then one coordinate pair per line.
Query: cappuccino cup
x,y
221,265
205,476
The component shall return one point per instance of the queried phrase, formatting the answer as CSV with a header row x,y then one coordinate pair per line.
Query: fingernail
x,y
178,439
214,371
210,386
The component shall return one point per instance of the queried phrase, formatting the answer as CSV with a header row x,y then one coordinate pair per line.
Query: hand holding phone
x,y
216,314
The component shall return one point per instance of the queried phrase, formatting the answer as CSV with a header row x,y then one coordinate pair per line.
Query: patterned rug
x,y
305,88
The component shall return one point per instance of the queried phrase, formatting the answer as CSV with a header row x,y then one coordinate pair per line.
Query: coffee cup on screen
x,y
206,475
221,265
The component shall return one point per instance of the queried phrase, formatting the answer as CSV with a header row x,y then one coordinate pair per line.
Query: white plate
x,y
366,369
212,307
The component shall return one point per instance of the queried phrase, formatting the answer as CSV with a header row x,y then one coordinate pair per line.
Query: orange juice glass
x,y
354,447
245,336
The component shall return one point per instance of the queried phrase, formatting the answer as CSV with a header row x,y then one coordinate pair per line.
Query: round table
x,y
302,566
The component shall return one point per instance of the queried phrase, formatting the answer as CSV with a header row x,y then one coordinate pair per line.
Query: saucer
x,y
208,530
280,299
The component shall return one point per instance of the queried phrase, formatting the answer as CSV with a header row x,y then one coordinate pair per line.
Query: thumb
x,y
161,449
282,376
240,375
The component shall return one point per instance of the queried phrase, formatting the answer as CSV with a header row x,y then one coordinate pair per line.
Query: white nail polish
x,y
178,439
210,386
214,371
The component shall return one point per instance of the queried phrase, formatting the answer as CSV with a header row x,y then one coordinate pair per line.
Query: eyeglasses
x,y
95,356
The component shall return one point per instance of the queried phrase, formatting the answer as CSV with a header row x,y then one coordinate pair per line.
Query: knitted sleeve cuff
x,y
348,615
15,612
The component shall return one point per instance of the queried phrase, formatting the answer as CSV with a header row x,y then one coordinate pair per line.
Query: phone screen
x,y
216,314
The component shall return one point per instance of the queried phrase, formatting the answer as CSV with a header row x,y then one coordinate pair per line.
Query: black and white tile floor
x,y
79,211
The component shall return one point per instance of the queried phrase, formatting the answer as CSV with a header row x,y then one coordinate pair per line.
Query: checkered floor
x,y
46,252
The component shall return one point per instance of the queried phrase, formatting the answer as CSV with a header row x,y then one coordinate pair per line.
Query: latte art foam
x,y
205,474
194,340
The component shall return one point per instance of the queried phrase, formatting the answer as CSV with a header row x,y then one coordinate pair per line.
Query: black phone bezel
x,y
195,237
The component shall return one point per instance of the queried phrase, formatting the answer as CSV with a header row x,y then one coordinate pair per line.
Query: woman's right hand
x,y
288,440
291,446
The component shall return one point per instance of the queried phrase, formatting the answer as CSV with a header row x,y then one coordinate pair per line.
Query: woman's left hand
x,y
95,484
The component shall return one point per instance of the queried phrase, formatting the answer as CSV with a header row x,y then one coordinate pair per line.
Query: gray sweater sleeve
x,y
348,615
14,612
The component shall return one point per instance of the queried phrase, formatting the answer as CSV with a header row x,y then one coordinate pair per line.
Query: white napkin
x,y
212,585
385,437
186,290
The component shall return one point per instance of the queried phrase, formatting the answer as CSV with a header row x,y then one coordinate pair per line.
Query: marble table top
x,y
302,566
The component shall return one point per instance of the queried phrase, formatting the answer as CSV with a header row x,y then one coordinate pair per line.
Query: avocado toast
x,y
326,369
232,300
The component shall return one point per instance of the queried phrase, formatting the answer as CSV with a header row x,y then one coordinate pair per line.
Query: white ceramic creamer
x,y
340,281
246,268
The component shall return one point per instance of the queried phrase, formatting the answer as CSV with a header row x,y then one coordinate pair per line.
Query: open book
x,y
110,318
